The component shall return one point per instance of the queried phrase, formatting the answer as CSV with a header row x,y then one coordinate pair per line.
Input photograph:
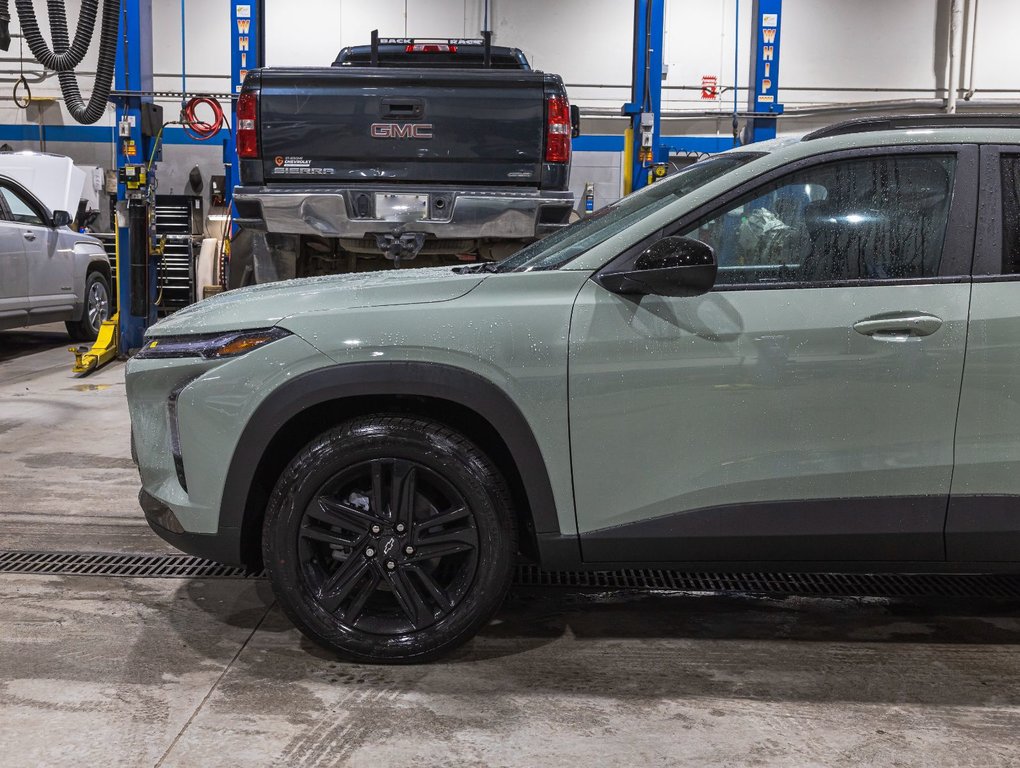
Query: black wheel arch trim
x,y
380,379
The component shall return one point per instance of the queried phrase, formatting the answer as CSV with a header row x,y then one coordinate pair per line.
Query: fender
x,y
440,382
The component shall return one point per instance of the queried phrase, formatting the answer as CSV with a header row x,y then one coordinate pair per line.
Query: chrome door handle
x,y
899,326
30,236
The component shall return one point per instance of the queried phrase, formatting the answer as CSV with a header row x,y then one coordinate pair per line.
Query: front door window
x,y
871,218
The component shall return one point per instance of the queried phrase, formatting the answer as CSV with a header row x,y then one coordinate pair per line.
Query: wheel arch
x,y
101,264
293,414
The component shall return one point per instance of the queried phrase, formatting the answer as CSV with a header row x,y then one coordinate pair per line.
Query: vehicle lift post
x,y
136,282
645,103
247,51
763,99
644,147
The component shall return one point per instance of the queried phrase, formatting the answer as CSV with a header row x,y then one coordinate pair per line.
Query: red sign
x,y
709,89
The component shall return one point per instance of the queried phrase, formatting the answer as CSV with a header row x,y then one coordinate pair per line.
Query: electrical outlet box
x,y
217,191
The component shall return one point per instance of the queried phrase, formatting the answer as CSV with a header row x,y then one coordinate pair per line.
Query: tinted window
x,y
876,218
570,242
1011,214
20,210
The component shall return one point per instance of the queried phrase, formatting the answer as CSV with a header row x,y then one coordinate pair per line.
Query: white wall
x,y
826,44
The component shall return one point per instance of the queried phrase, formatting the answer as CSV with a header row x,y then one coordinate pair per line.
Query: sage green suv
x,y
800,355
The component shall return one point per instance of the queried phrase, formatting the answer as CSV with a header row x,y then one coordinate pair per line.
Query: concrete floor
x,y
142,672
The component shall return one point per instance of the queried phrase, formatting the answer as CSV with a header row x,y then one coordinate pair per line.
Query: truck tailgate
x,y
417,125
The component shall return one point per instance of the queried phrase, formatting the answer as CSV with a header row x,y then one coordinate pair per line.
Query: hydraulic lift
x,y
137,148
646,150
138,123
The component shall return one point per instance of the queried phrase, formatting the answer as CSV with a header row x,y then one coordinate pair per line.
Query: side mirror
x,y
672,266
61,219
575,121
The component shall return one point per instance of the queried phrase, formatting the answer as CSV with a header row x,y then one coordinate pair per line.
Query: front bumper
x,y
465,214
216,400
224,546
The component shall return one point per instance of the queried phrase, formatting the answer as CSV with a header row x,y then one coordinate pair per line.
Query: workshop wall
x,y
866,44
862,46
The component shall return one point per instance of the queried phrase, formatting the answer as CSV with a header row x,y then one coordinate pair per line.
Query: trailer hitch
x,y
397,247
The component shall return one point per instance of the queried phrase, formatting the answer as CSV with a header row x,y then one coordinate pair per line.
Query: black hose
x,y
63,57
5,25
96,107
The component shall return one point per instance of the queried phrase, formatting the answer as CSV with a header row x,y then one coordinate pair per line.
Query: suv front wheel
x,y
95,311
390,539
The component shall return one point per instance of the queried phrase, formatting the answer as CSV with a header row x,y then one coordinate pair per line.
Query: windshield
x,y
570,242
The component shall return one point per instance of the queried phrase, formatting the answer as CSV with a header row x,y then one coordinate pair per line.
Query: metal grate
x,y
129,566
807,584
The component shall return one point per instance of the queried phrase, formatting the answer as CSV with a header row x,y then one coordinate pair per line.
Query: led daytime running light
x,y
210,346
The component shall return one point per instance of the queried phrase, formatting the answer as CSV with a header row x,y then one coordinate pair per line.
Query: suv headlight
x,y
210,346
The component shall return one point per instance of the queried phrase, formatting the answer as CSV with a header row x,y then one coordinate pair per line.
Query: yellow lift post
x,y
104,348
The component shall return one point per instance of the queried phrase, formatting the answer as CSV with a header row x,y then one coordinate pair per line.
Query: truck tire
x,y
390,539
95,311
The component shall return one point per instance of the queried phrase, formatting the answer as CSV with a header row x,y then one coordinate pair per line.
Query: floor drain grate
x,y
809,584
129,566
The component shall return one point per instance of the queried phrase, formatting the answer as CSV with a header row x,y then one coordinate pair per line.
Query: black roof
x,y
958,120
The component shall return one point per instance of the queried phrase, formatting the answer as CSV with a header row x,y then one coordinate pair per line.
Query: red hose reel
x,y
198,129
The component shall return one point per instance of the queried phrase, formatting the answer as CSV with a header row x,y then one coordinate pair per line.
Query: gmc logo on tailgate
x,y
401,130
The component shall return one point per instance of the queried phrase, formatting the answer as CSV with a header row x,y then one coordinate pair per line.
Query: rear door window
x,y
1010,170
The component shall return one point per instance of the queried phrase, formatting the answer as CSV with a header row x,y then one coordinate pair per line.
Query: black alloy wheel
x,y
390,539
389,547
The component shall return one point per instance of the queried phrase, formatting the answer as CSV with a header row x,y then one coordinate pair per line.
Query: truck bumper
x,y
452,214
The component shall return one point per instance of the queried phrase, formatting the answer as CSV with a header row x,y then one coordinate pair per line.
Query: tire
x,y
95,311
384,582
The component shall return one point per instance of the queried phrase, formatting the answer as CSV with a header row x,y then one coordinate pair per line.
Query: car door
x,y
983,524
13,275
50,267
802,410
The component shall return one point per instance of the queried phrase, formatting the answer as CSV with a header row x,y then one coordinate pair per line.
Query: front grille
x,y
805,584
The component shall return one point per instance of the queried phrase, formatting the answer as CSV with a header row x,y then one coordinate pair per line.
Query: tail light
x,y
247,125
557,140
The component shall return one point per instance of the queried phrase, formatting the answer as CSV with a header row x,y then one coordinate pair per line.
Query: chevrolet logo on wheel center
x,y
401,130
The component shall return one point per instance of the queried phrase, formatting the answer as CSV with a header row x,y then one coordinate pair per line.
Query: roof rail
x,y
869,124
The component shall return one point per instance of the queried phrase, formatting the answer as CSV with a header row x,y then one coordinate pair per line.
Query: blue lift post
x,y
135,280
646,89
247,47
763,99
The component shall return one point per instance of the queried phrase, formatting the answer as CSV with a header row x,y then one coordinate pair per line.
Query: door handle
x,y
30,236
900,326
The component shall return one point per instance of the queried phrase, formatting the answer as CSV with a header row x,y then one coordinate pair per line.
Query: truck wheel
x,y
95,311
390,539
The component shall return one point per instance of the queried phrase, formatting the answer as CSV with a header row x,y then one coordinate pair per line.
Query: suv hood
x,y
261,306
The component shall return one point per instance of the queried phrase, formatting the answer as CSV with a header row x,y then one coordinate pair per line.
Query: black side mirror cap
x,y
672,266
61,219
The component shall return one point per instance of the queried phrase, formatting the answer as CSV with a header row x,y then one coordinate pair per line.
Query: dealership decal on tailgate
x,y
298,165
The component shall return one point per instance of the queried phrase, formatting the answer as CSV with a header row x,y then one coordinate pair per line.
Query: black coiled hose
x,y
80,111
63,58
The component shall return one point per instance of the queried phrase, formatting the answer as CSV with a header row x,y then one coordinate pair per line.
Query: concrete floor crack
x,y
214,686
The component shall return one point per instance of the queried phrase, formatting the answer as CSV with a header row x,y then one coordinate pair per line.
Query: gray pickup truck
x,y
439,152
